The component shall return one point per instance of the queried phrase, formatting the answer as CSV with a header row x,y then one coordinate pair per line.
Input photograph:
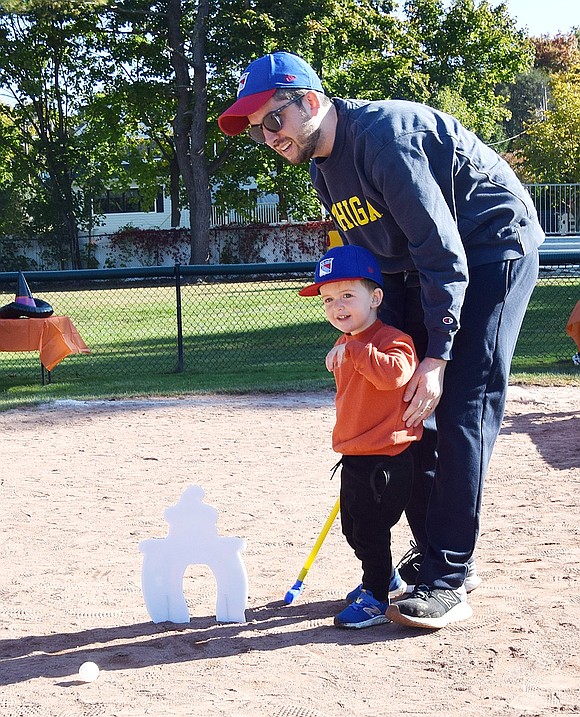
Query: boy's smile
x,y
351,307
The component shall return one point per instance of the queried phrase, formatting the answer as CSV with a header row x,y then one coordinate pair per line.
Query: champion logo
x,y
290,78
325,267
447,320
242,82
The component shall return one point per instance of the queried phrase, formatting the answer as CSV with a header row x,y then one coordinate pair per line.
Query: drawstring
x,y
334,468
373,479
377,495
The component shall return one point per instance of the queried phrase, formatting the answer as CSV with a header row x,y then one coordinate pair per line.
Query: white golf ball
x,y
88,671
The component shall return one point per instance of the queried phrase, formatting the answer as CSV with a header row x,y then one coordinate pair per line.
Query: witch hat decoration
x,y
24,295
25,305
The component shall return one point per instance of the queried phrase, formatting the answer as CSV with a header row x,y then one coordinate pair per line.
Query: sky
x,y
543,17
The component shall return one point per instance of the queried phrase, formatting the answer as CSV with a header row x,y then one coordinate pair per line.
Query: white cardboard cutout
x,y
192,539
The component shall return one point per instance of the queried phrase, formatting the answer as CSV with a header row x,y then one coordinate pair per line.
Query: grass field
x,y
237,337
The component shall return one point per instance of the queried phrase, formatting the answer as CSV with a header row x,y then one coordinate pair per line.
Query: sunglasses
x,y
271,122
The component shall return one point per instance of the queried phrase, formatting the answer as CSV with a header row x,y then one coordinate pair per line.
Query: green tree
x,y
529,94
210,44
80,131
50,62
141,91
467,51
528,98
550,151
165,71
10,216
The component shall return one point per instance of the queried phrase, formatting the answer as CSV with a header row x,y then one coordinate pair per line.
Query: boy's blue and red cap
x,y
341,263
260,80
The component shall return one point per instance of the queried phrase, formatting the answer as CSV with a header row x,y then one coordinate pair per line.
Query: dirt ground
x,y
83,483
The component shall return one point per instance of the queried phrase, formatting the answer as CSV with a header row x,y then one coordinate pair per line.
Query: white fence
x,y
558,207
261,213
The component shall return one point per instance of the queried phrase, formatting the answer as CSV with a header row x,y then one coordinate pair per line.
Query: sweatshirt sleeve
x,y
386,369
415,174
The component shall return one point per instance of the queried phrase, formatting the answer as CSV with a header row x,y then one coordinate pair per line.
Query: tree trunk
x,y
202,210
73,237
70,220
282,200
60,174
189,125
64,207
174,198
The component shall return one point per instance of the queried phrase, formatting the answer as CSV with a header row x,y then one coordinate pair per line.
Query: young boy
x,y
372,363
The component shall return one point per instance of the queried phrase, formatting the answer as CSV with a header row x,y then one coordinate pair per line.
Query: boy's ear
x,y
377,297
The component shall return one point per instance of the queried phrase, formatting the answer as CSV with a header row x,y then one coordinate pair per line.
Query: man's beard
x,y
307,146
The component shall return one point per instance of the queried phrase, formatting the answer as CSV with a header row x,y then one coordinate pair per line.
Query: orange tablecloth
x,y
573,325
55,338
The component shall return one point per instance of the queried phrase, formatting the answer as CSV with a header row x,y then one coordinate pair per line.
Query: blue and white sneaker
x,y
363,612
397,588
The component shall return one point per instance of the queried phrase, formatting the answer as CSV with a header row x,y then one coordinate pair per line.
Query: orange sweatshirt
x,y
370,384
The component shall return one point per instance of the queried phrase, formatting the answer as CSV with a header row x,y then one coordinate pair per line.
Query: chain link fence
x,y
231,321
543,345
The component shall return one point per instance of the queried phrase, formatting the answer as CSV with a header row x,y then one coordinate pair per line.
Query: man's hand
x,y
335,357
424,391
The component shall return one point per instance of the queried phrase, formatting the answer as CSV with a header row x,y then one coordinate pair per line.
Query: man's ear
x,y
312,99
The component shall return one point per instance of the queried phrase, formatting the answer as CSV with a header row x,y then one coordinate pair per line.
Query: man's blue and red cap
x,y
342,263
260,80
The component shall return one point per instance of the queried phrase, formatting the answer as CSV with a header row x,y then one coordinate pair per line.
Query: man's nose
x,y
269,136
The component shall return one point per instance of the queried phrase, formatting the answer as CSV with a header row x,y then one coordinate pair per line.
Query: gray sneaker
x,y
431,608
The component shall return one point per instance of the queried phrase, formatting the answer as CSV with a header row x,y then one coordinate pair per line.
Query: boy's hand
x,y
335,357
424,391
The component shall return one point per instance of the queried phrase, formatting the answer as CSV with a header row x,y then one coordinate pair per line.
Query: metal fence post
x,y
179,367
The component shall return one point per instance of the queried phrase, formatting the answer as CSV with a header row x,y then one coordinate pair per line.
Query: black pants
x,y
374,491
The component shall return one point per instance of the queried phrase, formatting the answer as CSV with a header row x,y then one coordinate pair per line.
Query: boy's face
x,y
351,307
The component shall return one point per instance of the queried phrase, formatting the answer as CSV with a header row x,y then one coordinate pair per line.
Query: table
x,y
573,325
54,337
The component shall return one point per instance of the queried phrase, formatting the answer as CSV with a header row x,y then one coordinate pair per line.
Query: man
x,y
456,236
